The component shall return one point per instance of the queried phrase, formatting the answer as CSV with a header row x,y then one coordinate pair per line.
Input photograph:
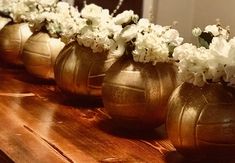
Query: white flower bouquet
x,y
142,80
102,29
148,42
13,9
205,36
59,19
21,10
200,65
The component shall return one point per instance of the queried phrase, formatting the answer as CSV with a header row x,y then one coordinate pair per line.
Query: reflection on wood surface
x,y
38,123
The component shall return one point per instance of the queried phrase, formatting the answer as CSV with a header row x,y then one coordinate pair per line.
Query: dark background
x,y
135,5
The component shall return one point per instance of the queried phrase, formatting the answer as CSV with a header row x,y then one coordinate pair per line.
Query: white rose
x,y
129,32
96,14
143,23
213,29
125,17
219,47
91,11
171,36
196,32
117,49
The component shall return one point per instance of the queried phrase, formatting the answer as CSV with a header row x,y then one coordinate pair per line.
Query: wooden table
x,y
38,123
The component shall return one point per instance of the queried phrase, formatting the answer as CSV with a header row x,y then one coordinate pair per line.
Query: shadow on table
x,y
29,78
176,157
48,89
4,158
20,73
81,102
10,66
112,127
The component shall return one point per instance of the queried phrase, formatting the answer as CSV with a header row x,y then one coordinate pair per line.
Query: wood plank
x,y
38,123
21,145
74,130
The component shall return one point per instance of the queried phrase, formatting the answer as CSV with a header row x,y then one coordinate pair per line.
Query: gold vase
x,y
80,71
201,120
12,40
135,94
39,54
3,22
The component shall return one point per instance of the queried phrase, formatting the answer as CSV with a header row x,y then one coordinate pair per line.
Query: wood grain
x,y
39,123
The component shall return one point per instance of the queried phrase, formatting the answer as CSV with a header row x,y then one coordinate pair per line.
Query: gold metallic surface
x,y
12,40
201,120
80,71
3,22
39,54
135,94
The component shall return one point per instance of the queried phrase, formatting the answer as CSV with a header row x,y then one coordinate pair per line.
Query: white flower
x,y
14,9
200,65
96,39
220,48
150,49
217,31
152,43
23,10
196,31
126,17
171,36
95,14
91,11
59,19
102,33
68,20
205,37
129,32
143,24
118,48
192,66
213,29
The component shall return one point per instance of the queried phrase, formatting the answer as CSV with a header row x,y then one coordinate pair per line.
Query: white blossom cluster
x,y
14,9
58,19
25,10
40,12
70,21
151,43
94,27
215,30
123,21
200,65
102,29
65,21
205,36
